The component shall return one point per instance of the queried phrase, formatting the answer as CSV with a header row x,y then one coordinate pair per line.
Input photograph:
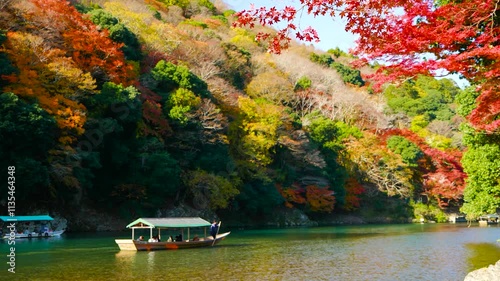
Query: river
x,y
368,252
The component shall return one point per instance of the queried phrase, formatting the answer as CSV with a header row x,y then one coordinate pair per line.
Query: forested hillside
x,y
132,106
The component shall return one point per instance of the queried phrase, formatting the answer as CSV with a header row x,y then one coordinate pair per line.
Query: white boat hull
x,y
131,245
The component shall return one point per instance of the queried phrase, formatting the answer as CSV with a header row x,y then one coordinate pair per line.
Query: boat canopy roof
x,y
168,222
490,216
26,218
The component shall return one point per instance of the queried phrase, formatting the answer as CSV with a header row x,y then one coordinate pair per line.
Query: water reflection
x,y
373,252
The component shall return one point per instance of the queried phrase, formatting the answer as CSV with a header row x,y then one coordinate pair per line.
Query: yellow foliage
x,y
438,141
64,77
271,85
156,35
260,124
44,74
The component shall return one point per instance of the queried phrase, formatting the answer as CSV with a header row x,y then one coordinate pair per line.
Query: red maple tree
x,y
411,37
442,173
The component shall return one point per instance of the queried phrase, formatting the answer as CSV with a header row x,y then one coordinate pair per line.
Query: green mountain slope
x,y
130,107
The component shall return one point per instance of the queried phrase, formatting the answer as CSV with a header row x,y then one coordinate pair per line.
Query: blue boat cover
x,y
26,218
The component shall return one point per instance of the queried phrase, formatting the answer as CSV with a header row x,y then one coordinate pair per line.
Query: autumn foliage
x,y
410,37
63,62
35,80
315,198
90,48
442,173
196,112
354,190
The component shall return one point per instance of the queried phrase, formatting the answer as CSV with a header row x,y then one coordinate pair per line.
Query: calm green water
x,y
374,252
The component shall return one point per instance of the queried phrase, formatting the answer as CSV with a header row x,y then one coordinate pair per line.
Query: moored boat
x,y
17,232
489,219
158,224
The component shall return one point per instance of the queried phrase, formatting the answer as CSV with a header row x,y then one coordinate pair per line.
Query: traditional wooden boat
x,y
17,232
183,224
489,219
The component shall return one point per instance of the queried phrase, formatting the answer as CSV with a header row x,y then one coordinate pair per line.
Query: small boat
x,y
184,223
43,231
489,219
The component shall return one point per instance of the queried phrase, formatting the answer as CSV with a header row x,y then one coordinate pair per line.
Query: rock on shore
x,y
490,273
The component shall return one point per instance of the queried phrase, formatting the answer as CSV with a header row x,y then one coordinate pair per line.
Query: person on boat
x,y
141,238
178,238
214,229
44,229
196,238
169,239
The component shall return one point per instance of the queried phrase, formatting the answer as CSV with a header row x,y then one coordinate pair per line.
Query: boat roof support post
x,y
133,233
150,232
188,233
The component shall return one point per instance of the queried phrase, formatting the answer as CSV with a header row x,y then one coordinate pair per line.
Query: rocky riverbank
x,y
87,219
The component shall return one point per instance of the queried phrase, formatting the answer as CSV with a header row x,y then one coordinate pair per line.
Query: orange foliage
x,y
28,83
320,199
90,48
353,190
291,195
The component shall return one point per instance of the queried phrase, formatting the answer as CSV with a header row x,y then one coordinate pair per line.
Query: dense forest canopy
x,y
135,106
411,38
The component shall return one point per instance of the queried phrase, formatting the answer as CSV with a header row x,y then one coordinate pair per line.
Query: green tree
x,y
118,32
257,200
302,84
108,148
330,136
410,153
481,162
180,104
325,59
423,96
171,77
211,191
349,75
466,100
482,193
6,67
337,52
27,134
160,173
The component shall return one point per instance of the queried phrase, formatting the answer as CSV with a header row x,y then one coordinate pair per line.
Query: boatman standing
x,y
214,229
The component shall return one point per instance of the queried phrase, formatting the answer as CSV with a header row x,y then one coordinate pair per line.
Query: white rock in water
x,y
490,273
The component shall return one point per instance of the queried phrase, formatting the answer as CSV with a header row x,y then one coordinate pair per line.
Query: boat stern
x,y
126,244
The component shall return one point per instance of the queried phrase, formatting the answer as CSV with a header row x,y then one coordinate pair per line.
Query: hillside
x,y
135,107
